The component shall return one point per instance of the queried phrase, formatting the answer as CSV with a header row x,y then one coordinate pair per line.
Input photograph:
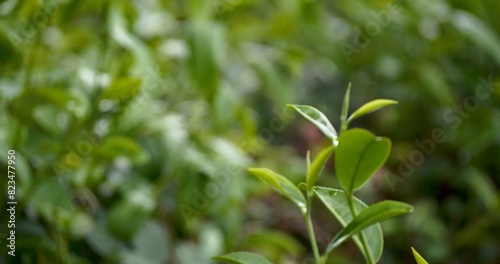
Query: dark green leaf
x,y
358,156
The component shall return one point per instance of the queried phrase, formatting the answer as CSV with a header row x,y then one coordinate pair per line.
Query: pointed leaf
x,y
345,109
358,156
336,201
370,107
317,118
418,258
282,185
317,166
243,258
373,214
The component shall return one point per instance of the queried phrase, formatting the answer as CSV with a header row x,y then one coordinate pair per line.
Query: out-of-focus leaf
x,y
336,201
45,116
126,218
282,241
52,201
123,89
418,258
358,156
275,83
243,258
8,54
317,118
370,107
373,214
118,30
317,166
282,185
80,224
478,32
152,243
100,240
483,187
204,38
23,172
434,83
115,146
54,96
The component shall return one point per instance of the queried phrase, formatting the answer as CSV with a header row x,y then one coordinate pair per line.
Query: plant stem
x,y
369,257
310,229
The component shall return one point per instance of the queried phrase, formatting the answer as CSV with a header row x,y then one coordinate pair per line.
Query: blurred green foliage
x,y
134,121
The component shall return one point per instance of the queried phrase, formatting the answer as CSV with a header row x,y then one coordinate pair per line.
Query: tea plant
x,y
358,155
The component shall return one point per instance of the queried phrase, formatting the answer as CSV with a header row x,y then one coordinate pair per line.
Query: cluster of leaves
x,y
358,155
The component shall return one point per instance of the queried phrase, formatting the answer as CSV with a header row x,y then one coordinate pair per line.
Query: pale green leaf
x,y
317,118
283,185
418,258
316,167
370,107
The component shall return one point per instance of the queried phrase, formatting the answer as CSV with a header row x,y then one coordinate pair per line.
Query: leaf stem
x,y
368,254
310,228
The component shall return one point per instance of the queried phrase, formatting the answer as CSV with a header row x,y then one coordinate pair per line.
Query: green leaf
x,y
418,258
243,258
151,242
317,118
53,202
123,89
336,201
276,241
282,185
358,156
116,146
480,33
373,214
345,109
135,214
317,166
370,107
204,38
117,27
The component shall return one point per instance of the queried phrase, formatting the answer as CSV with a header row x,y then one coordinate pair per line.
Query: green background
x,y
134,122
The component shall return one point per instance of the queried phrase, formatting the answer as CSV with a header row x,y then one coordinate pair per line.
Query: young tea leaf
x,y
373,214
418,258
370,107
243,258
283,185
358,156
317,118
317,166
345,109
336,201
